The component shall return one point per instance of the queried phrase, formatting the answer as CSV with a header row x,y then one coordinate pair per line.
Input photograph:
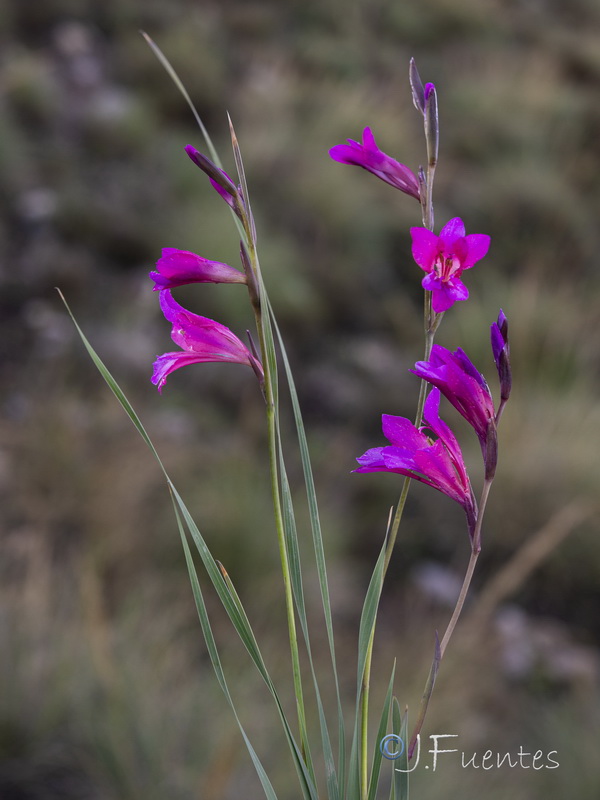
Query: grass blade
x,y
367,626
317,537
399,787
214,656
383,723
179,84
229,601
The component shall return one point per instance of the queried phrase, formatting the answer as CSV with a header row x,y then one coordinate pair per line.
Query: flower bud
x,y
501,351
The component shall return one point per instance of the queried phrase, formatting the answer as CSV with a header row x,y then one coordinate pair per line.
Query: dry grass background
x,y
105,687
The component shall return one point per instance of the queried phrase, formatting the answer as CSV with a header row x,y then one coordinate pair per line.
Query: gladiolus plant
x,y
423,449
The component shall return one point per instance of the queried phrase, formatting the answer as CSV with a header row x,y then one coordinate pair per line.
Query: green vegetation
x,y
106,686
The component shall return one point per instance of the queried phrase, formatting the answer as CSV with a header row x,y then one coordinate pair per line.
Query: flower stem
x,y
393,533
475,550
269,395
432,322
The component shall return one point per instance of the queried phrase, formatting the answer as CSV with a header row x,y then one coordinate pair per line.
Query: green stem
x,y
364,738
475,550
432,322
276,498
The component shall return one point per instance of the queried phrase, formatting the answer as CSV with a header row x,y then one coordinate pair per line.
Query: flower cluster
x,y
200,338
440,463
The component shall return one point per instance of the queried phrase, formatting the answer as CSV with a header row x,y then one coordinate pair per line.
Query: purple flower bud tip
x,y
367,155
444,258
501,352
219,179
429,90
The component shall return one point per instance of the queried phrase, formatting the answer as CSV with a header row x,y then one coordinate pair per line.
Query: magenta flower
x,y
180,267
466,388
368,156
201,340
501,351
444,258
412,453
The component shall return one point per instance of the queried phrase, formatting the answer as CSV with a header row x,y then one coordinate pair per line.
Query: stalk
x,y
475,550
432,321
254,285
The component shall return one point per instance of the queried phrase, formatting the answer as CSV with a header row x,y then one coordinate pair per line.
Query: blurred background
x,y
105,687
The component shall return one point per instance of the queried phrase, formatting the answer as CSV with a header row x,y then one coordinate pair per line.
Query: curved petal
x,y
425,247
436,464
371,461
346,154
452,230
458,248
402,433
478,245
446,295
369,140
462,360
206,338
168,363
431,417
180,267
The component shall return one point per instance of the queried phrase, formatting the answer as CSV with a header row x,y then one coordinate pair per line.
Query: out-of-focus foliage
x,y
106,686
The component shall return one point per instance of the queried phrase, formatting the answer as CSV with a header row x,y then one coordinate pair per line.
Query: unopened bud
x,y
501,351
215,173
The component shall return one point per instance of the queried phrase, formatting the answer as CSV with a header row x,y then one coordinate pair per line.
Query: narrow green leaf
x,y
383,723
403,779
367,626
239,163
316,536
400,775
179,84
293,552
232,608
214,657
237,615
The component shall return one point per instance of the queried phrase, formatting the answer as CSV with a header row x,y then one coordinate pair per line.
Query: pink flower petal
x,y
401,432
452,230
180,267
425,247
447,294
478,245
